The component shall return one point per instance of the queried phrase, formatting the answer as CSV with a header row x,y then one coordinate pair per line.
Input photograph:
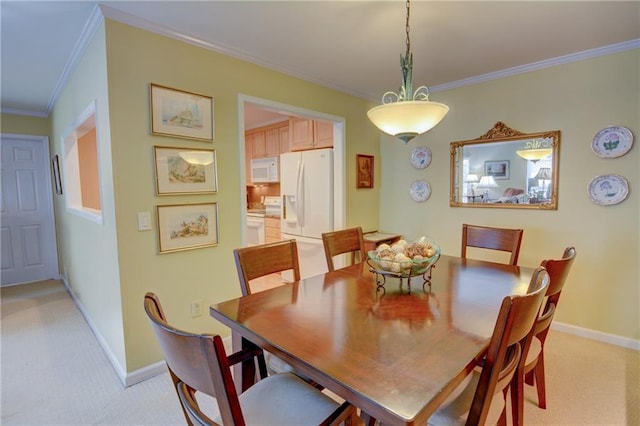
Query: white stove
x,y
272,206
255,220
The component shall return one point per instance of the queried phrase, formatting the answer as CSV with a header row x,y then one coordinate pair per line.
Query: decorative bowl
x,y
405,259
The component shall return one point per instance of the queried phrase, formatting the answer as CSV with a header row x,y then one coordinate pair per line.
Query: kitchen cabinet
x,y
322,134
307,134
272,229
257,144
266,141
284,138
272,142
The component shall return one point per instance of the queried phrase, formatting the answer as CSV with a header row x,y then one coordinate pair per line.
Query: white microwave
x,y
264,170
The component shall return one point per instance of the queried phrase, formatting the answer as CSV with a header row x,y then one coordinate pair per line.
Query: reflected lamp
x,y
486,182
470,180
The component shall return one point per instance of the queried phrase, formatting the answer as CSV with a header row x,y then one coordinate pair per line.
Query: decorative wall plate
x,y
420,191
608,190
420,157
612,142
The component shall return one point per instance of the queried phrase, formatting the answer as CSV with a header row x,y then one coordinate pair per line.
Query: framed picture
x,y
185,170
187,226
364,171
497,169
182,114
55,163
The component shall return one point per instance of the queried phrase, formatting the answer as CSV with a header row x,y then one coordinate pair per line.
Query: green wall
x,y
579,99
136,58
88,251
24,125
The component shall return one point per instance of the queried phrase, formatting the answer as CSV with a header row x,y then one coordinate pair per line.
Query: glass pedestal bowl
x,y
404,260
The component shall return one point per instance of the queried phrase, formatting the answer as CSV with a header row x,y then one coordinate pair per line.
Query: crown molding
x,y
560,60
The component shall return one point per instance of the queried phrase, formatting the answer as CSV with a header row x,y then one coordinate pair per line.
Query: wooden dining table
x,y
396,350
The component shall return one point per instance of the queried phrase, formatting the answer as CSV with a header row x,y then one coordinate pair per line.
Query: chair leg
x,y
540,384
517,399
502,421
528,378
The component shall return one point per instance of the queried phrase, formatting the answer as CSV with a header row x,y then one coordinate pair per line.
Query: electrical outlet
x,y
196,308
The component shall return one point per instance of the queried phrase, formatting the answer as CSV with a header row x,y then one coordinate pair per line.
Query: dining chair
x,y
199,363
344,241
261,260
502,239
265,259
481,398
558,270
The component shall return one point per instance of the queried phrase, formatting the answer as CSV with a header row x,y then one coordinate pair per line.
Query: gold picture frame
x,y
364,171
187,226
182,171
182,114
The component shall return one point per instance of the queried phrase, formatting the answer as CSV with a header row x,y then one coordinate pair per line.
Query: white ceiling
x,y
351,46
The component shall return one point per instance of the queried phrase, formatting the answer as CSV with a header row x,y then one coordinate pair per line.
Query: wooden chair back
x,y
341,242
558,270
533,369
198,363
153,307
502,239
509,342
257,261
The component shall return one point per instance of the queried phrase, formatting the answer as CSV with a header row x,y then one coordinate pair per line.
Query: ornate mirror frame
x,y
518,183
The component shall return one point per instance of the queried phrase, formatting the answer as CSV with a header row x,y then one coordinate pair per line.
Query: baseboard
x,y
160,367
150,371
137,376
144,373
122,375
611,339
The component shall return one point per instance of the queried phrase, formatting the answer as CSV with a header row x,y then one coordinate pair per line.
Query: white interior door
x,y
27,228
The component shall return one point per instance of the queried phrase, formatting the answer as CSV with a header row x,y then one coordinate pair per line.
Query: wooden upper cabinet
x,y
272,142
258,143
307,134
267,141
300,134
284,139
323,134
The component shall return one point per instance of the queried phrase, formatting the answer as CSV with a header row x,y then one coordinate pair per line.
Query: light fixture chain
x,y
408,42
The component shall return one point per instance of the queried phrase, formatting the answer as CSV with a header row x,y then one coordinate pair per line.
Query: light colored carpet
x,y
55,373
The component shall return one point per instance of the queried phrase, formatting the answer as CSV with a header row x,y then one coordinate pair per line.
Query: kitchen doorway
x,y
254,112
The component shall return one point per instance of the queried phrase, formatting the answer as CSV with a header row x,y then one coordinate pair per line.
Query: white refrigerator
x,y
306,187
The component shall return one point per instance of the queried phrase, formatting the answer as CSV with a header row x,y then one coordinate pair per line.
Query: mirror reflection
x,y
505,168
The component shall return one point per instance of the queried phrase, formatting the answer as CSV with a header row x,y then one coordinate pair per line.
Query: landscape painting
x,y
185,171
182,114
187,226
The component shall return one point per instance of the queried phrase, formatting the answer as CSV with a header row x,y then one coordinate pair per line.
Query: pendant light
x,y
407,114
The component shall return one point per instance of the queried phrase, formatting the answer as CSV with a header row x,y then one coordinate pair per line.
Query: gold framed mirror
x,y
505,168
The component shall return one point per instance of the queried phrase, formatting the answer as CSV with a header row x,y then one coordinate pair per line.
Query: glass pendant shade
x,y
534,154
197,157
407,119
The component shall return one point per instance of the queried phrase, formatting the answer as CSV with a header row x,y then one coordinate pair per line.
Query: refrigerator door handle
x,y
300,194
